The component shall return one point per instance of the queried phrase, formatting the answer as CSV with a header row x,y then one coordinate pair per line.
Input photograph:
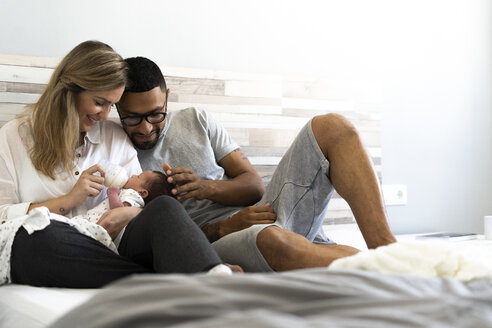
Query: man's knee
x,y
333,130
274,242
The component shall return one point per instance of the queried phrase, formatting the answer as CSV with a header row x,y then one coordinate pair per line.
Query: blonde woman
x,y
48,173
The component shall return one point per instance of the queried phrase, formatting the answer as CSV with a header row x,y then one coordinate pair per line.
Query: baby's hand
x,y
113,190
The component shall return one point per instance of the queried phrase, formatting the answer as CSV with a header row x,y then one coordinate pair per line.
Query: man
x,y
215,181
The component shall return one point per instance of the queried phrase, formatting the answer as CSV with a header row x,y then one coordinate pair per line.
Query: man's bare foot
x,y
235,268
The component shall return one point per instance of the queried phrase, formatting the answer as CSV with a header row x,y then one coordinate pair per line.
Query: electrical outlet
x,y
395,194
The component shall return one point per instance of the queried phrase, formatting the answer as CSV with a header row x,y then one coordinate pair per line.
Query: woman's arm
x,y
10,205
88,185
115,220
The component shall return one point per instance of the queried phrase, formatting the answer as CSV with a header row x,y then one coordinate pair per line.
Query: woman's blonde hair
x,y
93,66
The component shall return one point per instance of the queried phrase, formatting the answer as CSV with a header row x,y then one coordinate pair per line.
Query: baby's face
x,y
140,181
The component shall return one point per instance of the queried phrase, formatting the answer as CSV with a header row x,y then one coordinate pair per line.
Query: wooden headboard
x,y
263,113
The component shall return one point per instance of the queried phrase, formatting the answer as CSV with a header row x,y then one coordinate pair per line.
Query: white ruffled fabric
x,y
93,215
38,219
464,262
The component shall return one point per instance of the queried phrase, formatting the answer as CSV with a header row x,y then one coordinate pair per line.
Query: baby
x,y
137,190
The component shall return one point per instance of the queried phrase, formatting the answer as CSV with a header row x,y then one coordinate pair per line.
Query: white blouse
x,y
21,184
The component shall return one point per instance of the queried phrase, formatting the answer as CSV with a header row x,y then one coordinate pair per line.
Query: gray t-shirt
x,y
192,138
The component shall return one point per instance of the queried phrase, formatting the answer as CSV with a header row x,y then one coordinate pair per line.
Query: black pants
x,y
162,239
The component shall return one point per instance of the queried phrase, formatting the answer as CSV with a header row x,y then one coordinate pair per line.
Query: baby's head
x,y
150,184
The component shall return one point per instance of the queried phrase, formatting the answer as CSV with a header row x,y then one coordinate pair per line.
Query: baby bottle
x,y
115,175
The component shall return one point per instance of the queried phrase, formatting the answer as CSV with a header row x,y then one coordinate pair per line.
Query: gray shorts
x,y
299,193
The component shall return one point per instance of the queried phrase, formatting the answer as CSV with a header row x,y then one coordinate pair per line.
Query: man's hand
x,y
88,185
188,183
243,219
247,217
116,219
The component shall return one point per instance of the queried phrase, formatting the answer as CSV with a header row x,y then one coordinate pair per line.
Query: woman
x,y
47,170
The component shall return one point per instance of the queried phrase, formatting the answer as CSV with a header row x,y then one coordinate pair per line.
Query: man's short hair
x,y
144,75
158,186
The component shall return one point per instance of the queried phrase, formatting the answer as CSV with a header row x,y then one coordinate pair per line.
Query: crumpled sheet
x,y
457,260
310,298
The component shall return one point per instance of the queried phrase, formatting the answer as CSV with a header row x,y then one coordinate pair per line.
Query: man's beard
x,y
148,144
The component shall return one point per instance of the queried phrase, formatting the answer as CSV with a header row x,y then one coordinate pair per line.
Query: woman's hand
x,y
116,219
88,185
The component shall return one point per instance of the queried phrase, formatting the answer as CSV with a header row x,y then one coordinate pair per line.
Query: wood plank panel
x,y
31,61
6,108
203,73
228,100
221,108
270,137
22,87
18,97
262,112
183,86
258,88
24,74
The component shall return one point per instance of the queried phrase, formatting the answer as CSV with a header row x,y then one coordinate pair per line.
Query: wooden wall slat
x,y
183,86
228,100
31,61
9,73
22,87
18,97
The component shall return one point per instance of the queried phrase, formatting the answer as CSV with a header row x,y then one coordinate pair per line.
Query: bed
x,y
451,286
303,298
34,307
263,114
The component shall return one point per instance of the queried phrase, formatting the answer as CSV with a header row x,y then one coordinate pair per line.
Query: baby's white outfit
x,y
93,215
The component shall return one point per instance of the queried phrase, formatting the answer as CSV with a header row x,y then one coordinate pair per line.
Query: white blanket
x,y
424,258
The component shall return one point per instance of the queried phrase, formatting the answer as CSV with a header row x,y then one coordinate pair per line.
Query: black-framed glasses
x,y
152,118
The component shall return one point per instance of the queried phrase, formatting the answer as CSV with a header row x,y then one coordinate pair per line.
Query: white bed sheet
x,y
34,307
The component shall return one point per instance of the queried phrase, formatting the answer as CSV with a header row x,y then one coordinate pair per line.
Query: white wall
x,y
431,59
437,115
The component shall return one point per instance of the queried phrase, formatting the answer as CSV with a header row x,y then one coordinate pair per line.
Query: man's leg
x,y
286,250
353,176
351,173
265,248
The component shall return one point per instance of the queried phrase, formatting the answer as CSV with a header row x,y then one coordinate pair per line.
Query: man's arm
x,y
243,219
244,188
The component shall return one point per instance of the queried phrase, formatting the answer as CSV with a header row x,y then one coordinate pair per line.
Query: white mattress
x,y
34,307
